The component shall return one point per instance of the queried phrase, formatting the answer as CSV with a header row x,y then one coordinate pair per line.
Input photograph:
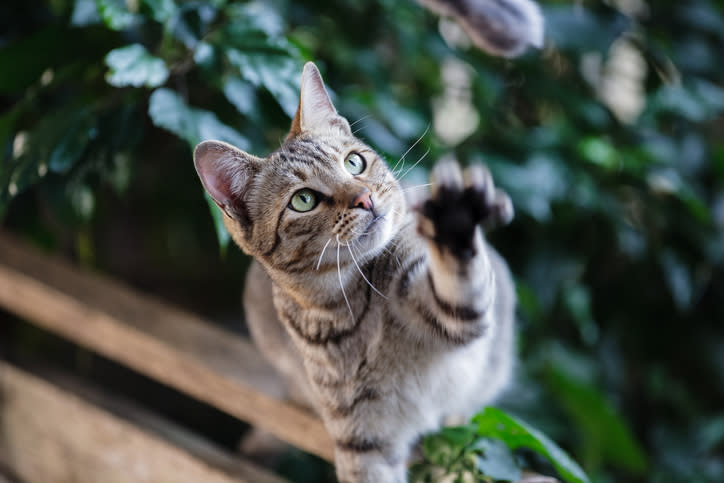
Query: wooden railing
x,y
162,342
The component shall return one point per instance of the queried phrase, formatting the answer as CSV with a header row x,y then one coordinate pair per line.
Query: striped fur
x,y
389,329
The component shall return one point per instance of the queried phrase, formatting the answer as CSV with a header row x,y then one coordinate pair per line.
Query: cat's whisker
x,y
341,285
416,187
322,254
349,249
402,159
360,119
414,165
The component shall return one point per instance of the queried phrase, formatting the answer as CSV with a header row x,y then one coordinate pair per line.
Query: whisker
x,y
341,285
413,166
360,119
416,187
362,126
323,249
349,249
408,151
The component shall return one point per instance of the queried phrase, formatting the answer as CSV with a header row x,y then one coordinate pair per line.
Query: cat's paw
x,y
460,201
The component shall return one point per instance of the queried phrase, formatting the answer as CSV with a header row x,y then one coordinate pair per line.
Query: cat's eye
x,y
303,200
355,163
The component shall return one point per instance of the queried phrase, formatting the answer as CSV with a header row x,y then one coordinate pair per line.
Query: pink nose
x,y
363,201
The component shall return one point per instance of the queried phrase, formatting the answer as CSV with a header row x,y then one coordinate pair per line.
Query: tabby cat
x,y
388,320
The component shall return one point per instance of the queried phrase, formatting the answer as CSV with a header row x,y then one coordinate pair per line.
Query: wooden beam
x,y
50,434
167,344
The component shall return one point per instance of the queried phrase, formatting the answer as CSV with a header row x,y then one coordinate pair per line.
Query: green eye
x,y
355,163
303,200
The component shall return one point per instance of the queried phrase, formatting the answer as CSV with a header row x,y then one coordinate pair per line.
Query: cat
x,y
386,319
500,27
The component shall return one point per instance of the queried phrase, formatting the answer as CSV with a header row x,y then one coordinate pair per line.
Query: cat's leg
x,y
453,292
354,466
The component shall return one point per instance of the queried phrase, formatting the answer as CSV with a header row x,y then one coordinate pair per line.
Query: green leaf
x,y
132,65
605,434
445,447
55,143
255,16
85,12
273,70
162,10
495,460
168,111
115,14
494,423
599,151
83,201
222,235
242,95
79,130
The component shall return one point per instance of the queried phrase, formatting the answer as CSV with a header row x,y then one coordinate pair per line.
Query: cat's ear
x,y
315,111
226,173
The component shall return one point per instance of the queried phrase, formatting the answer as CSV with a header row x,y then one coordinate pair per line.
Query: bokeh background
x,y
610,141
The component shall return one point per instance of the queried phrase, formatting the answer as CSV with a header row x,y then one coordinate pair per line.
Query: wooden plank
x,y
50,434
167,344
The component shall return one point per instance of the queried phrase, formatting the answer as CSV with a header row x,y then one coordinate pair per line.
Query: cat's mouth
x,y
372,225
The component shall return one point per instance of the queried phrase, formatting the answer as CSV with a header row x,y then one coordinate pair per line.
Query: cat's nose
x,y
362,200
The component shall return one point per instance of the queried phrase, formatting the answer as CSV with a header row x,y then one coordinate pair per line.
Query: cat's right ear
x,y
315,112
226,172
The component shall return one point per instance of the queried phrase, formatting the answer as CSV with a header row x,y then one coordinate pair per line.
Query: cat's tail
x,y
500,27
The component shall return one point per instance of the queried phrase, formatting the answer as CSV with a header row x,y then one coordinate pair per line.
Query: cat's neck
x,y
314,288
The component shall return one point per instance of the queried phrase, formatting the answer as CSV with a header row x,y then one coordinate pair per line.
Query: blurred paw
x,y
459,202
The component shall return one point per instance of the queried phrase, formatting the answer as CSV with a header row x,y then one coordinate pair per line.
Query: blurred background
x,y
610,141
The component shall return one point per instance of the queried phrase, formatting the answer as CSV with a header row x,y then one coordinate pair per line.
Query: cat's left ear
x,y
226,173
316,112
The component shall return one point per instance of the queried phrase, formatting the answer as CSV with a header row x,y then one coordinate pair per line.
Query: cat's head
x,y
322,184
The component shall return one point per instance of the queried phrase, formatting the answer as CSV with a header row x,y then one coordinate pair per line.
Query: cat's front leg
x,y
367,467
456,292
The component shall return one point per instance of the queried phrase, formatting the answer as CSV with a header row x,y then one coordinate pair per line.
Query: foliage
x,y
609,140
483,450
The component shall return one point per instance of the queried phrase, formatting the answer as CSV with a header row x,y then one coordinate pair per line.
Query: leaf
x,y
162,10
55,143
276,71
242,95
79,130
190,22
579,29
495,460
599,151
85,13
83,201
168,111
115,14
255,17
222,235
494,423
679,278
445,447
255,47
538,183
132,65
604,431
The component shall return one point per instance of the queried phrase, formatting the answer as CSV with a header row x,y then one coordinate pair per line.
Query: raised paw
x,y
459,202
